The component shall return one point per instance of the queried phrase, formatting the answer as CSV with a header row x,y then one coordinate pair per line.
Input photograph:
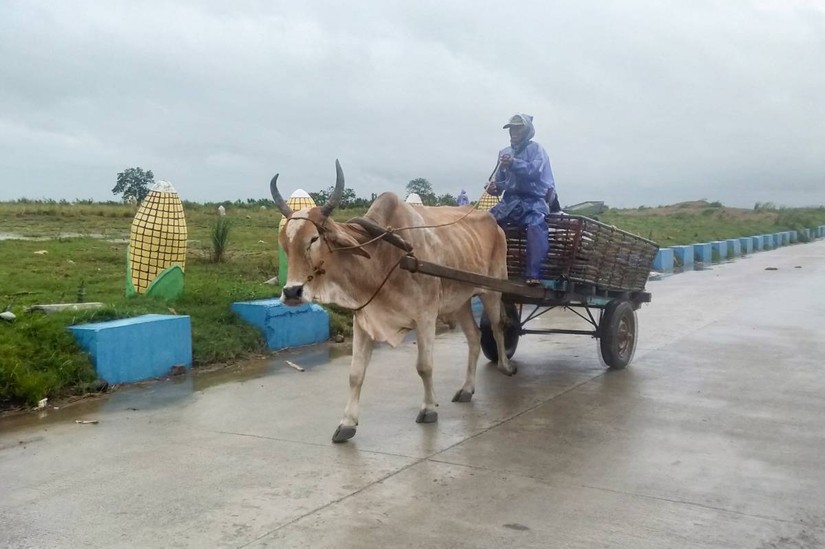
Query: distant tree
x,y
133,183
348,198
446,200
423,189
320,197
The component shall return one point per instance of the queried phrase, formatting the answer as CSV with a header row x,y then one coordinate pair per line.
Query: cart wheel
x,y
512,331
618,334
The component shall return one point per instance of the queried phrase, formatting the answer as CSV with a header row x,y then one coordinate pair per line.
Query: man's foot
x,y
533,282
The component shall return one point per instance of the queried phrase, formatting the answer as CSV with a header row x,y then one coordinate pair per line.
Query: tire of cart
x,y
512,331
618,333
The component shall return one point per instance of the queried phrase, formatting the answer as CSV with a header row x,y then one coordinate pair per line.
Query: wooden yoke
x,y
376,230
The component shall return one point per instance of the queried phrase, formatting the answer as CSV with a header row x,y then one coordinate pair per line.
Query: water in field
x,y
16,236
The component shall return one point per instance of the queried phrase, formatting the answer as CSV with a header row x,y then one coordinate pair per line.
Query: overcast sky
x,y
638,102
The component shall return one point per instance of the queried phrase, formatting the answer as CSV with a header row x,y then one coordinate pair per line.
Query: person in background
x,y
462,198
525,182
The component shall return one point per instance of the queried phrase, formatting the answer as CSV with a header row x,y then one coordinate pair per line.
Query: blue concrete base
x,y
746,244
477,308
757,243
721,248
134,349
794,236
767,242
703,252
664,260
777,239
734,250
284,326
684,255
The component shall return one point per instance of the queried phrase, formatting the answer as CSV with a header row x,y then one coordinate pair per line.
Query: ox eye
x,y
313,240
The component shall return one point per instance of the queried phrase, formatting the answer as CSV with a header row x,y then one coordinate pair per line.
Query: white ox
x,y
342,263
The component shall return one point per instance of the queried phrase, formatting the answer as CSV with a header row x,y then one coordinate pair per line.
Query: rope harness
x,y
381,233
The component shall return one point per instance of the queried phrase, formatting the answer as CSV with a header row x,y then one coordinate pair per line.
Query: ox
x,y
344,264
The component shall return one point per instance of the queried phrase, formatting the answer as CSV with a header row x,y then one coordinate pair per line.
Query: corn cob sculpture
x,y
487,201
413,200
156,256
299,200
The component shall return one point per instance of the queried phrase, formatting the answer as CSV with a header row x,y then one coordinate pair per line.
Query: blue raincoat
x,y
527,186
462,199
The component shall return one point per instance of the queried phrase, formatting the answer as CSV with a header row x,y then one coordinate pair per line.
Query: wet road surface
x,y
712,438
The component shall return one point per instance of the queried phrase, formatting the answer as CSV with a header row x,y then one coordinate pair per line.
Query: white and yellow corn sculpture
x,y
156,256
299,200
487,201
413,199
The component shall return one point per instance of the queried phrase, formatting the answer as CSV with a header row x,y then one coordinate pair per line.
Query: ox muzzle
x,y
293,295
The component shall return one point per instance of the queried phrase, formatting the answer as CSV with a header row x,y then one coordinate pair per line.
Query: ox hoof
x,y
425,416
343,433
463,396
511,371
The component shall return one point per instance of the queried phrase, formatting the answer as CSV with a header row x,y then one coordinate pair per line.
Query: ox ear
x,y
345,243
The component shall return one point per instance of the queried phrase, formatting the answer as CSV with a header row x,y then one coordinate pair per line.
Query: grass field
x,y
699,221
58,248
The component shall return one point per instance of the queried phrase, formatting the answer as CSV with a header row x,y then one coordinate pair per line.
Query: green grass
x,y
85,244
40,358
702,222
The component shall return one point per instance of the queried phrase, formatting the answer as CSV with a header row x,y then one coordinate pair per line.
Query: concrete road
x,y
713,437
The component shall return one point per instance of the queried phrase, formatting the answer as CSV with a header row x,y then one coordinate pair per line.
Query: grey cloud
x,y
641,102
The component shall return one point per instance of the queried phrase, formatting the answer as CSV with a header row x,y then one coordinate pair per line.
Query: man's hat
x,y
515,120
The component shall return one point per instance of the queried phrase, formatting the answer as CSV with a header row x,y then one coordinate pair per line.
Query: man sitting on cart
x,y
523,174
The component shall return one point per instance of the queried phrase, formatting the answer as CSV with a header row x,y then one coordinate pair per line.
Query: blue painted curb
x,y
721,248
757,243
664,260
734,249
283,326
138,348
684,254
703,253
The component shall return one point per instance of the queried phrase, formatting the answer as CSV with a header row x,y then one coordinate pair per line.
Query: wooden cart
x,y
594,270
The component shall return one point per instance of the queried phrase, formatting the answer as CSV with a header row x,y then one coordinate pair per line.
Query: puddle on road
x,y
154,395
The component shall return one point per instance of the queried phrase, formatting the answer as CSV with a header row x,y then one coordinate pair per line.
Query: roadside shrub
x,y
220,238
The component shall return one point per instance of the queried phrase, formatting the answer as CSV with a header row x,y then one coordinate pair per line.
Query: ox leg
x,y
468,325
492,306
425,334
362,345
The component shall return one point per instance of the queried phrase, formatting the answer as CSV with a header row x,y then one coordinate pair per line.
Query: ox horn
x,y
337,192
278,199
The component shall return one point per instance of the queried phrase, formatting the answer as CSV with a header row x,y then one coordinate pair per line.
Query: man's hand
x,y
506,160
491,187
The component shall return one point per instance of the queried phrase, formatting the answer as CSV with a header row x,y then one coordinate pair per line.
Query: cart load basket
x,y
585,251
